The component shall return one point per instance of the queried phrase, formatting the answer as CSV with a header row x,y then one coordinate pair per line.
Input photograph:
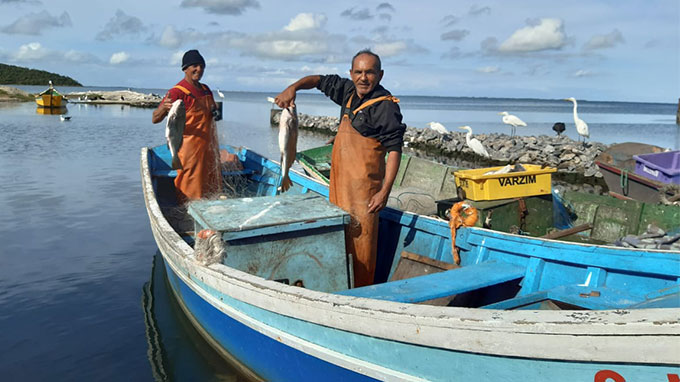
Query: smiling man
x,y
370,126
199,176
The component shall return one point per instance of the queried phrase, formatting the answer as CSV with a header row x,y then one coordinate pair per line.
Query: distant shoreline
x,y
115,97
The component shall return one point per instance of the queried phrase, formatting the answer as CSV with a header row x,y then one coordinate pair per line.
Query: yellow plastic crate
x,y
477,186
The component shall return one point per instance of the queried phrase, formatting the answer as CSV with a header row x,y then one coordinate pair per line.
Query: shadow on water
x,y
176,351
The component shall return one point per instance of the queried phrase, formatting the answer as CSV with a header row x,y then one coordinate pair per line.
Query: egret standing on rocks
x,y
474,143
512,120
581,126
438,127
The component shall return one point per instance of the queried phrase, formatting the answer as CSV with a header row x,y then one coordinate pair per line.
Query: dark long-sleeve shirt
x,y
381,121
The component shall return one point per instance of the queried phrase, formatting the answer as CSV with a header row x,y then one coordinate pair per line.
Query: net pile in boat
x,y
209,247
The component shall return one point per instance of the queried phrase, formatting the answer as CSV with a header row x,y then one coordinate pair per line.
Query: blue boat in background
x,y
265,279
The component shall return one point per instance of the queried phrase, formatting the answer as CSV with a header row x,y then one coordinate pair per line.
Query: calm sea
x,y
80,297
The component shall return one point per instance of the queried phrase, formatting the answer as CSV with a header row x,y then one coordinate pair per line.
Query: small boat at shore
x,y
265,279
618,166
50,98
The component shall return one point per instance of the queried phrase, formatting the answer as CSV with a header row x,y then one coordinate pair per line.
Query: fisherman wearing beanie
x,y
199,176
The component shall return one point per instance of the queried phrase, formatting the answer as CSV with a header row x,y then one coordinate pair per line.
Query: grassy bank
x,y
10,94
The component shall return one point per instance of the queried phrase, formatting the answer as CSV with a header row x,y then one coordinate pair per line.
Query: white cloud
x,y
488,69
303,38
390,49
170,38
173,38
176,58
604,41
36,52
222,7
34,23
290,48
119,58
121,24
31,52
306,21
546,34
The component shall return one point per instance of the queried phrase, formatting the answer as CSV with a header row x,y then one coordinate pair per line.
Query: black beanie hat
x,y
192,57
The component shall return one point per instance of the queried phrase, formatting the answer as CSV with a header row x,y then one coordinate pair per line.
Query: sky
x,y
587,49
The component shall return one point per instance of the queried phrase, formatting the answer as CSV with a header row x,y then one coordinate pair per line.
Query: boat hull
x,y
282,348
49,101
282,333
629,185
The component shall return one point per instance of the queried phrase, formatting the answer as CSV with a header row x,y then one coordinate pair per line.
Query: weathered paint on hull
x,y
268,358
273,360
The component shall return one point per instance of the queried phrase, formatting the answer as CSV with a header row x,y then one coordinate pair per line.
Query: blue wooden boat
x,y
279,301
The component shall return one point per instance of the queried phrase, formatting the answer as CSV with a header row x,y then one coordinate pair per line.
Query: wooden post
x,y
677,114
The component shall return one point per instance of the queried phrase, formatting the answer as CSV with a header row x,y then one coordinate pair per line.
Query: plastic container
x,y
474,185
662,167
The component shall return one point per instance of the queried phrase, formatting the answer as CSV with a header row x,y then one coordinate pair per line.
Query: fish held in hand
x,y
174,131
288,135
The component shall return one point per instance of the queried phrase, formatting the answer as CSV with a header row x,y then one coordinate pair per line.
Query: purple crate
x,y
662,167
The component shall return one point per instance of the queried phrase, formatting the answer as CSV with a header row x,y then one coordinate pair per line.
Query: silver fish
x,y
174,130
288,135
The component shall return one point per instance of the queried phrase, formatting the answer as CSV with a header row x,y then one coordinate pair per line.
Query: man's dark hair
x,y
368,51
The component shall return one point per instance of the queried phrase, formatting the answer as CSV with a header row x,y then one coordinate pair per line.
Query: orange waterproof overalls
x,y
357,173
199,154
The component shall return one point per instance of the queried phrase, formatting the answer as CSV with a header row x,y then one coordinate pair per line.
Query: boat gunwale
x,y
601,336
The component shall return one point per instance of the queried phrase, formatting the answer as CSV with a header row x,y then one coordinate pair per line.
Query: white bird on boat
x,y
64,117
219,93
438,127
474,143
581,126
512,120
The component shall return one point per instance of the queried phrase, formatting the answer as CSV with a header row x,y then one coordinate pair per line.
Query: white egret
x,y
474,143
219,93
512,120
581,126
438,127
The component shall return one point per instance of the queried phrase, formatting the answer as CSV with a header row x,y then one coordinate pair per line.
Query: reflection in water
x,y
153,336
51,110
176,351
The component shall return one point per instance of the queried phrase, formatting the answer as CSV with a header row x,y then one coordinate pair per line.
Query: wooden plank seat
x,y
442,284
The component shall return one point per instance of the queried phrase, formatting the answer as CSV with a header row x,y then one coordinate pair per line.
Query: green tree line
x,y
16,75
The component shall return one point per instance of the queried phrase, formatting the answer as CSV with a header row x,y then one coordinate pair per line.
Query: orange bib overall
x,y
357,173
200,175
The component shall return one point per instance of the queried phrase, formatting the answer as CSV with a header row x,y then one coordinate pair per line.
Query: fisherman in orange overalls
x,y
370,127
200,176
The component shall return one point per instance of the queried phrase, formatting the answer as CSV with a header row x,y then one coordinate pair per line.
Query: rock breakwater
x,y
561,152
117,97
